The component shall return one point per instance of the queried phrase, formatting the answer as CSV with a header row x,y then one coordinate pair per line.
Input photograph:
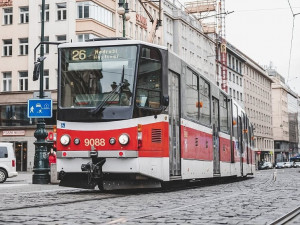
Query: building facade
x,y
285,118
234,68
183,34
258,106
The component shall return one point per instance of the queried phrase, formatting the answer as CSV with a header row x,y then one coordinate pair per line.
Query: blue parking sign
x,y
39,108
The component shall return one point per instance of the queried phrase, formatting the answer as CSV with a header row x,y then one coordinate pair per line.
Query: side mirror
x,y
37,66
165,101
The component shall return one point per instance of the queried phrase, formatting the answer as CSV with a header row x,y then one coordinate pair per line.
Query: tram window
x,y
90,74
149,79
205,99
235,121
192,95
223,113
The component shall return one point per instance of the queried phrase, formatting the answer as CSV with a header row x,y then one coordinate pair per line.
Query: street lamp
x,y
41,165
123,10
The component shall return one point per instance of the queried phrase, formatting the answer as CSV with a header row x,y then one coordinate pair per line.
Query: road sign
x,y
47,94
39,108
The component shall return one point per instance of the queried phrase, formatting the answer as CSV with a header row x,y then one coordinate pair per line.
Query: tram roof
x,y
110,42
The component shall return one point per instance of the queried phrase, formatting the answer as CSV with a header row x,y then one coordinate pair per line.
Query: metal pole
x,y
123,17
41,164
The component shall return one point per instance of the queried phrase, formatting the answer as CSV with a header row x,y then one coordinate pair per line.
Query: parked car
x,y
279,165
288,164
7,162
296,164
266,165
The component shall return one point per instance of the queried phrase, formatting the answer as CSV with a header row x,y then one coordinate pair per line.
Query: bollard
x,y
53,174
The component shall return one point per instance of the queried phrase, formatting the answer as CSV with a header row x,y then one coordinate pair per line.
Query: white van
x,y
7,161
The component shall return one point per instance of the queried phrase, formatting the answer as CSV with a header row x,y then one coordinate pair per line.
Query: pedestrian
x,y
52,157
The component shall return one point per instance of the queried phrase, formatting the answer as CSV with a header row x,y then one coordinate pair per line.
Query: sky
x,y
262,29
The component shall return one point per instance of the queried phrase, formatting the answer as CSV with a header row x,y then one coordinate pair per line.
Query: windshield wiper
x,y
116,90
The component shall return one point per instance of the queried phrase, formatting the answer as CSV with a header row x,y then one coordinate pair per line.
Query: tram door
x,y
174,125
216,142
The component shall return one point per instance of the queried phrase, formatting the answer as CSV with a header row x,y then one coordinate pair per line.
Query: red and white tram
x,y
132,114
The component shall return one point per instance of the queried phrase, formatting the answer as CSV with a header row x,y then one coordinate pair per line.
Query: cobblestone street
x,y
258,200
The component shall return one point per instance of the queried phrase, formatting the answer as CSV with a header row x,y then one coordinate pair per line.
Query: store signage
x,y
13,132
142,21
4,3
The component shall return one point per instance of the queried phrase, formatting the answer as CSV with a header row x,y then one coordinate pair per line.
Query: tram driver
x,y
125,94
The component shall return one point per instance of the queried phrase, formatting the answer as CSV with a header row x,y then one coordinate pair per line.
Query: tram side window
x,y
223,113
149,79
192,95
235,121
205,99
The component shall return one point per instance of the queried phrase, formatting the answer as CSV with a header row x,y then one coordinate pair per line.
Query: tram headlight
x,y
112,141
123,139
76,141
65,139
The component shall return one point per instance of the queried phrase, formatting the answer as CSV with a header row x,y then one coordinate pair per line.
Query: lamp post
x,y
41,165
123,10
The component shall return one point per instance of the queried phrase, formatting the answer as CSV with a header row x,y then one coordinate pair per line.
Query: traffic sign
x,y
39,108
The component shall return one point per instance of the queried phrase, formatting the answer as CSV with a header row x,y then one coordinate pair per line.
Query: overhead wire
x,y
291,47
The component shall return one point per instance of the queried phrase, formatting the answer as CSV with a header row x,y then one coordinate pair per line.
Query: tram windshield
x,y
91,76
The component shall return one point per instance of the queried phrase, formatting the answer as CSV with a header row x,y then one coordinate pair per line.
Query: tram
x,y
132,114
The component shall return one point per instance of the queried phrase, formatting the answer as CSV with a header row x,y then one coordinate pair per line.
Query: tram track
x,y
93,195
287,218
54,203
237,187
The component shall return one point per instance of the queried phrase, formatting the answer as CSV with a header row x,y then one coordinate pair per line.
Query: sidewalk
x,y
24,177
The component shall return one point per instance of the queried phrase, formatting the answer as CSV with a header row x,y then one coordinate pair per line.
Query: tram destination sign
x,y
94,54
39,108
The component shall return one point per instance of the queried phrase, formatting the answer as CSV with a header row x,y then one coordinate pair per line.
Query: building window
x,y
7,16
92,10
23,46
46,16
7,47
61,38
46,48
61,11
241,82
6,81
230,76
24,14
23,81
46,79
233,78
83,10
